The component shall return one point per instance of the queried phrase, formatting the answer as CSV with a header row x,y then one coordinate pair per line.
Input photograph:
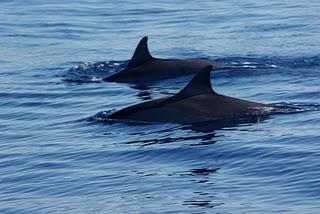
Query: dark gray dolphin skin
x,y
195,103
144,68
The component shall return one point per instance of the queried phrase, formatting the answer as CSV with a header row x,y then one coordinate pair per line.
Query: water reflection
x,y
201,177
202,198
203,171
202,203
145,95
212,126
201,140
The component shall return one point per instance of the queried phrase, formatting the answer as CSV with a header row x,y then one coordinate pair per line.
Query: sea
x,y
59,154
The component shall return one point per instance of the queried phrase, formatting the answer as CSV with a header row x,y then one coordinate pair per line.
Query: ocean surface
x,y
59,155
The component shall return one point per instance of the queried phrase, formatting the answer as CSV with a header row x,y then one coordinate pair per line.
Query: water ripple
x,y
59,155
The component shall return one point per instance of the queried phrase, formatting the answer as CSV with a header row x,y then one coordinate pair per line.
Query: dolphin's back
x,y
158,69
144,68
194,109
197,102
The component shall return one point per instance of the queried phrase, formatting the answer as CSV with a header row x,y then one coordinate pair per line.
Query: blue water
x,y
59,156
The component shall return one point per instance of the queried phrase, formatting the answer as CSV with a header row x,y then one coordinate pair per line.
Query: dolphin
x,y
144,68
196,103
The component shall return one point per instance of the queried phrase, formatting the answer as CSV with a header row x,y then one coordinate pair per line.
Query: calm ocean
x,y
57,155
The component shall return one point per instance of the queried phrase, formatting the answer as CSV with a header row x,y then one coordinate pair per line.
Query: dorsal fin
x,y
200,84
141,54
